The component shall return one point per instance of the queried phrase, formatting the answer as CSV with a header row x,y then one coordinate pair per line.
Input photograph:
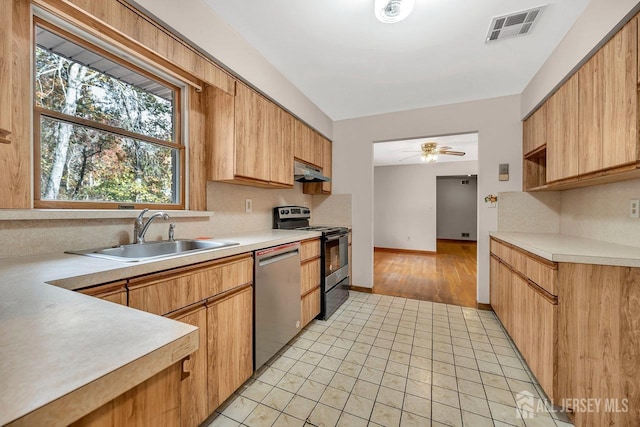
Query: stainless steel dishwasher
x,y
277,299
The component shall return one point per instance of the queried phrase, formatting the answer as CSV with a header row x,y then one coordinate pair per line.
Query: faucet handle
x,y
172,228
141,215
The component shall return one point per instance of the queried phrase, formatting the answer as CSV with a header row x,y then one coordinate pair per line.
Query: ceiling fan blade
x,y
453,153
412,151
407,158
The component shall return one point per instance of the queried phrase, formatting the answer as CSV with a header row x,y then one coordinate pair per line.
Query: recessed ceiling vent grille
x,y
514,24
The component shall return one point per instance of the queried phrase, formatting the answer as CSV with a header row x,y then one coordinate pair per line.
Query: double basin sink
x,y
154,250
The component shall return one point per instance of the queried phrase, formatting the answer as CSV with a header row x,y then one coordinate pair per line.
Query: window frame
x,y
179,130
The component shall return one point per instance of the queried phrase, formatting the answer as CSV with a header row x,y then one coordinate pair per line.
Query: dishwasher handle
x,y
276,258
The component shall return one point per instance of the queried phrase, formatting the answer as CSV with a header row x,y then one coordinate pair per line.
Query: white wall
x,y
457,207
599,18
405,203
499,140
195,21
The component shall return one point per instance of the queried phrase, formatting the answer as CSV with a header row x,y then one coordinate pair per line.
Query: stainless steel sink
x,y
153,250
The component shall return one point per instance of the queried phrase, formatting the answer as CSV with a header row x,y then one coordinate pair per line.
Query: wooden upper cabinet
x,y
590,98
322,187
307,147
249,139
534,131
620,97
6,99
562,132
282,149
254,127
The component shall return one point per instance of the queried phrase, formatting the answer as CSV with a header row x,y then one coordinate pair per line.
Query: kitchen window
x,y
107,133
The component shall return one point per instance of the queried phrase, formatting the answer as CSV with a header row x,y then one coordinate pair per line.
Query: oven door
x,y
336,260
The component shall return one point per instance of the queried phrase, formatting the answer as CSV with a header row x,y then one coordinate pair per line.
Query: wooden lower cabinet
x,y
310,306
527,311
583,345
193,387
309,281
229,343
155,402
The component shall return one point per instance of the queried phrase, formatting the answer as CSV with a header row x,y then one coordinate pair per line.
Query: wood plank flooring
x,y
447,277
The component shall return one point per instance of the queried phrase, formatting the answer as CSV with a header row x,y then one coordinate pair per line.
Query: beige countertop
x,y
564,248
64,354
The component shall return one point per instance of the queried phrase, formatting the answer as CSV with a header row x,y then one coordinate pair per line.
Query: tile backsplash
x,y
226,203
599,212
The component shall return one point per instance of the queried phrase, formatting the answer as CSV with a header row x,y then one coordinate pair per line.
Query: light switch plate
x,y
248,205
503,172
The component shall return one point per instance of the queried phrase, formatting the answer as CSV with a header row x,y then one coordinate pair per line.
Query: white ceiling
x,y
397,153
351,65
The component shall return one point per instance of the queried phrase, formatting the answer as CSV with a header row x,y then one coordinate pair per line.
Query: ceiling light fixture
x,y
391,11
429,157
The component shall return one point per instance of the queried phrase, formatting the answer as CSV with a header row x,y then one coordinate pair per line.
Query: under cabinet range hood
x,y
305,173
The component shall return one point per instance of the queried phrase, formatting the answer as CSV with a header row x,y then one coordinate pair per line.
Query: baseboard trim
x,y
482,306
457,240
361,289
406,251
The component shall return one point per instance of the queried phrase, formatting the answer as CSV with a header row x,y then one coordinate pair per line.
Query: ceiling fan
x,y
429,152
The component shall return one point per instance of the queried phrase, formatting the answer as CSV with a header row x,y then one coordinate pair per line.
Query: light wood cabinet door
x,y
539,324
534,130
307,147
193,386
620,97
310,307
562,132
282,148
229,344
500,282
6,106
155,402
309,249
590,97
253,132
309,276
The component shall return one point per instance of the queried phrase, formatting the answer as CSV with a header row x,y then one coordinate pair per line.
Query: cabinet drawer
x,y
309,249
542,274
165,292
309,307
501,250
114,292
309,276
519,261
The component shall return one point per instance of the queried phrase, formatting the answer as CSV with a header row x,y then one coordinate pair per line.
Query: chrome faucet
x,y
140,227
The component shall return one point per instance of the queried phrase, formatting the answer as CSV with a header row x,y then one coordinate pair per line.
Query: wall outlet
x,y
465,234
634,208
248,205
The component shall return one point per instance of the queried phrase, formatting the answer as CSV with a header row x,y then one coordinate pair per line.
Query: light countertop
x,y
64,354
564,248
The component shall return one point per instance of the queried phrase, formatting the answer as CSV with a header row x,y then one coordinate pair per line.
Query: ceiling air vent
x,y
514,24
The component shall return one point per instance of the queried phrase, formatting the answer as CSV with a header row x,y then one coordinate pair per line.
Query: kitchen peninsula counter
x,y
64,354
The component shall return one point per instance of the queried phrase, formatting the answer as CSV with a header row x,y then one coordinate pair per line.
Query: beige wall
x,y
497,122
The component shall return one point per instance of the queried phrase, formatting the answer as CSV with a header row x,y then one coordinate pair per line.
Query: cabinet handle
x,y
186,368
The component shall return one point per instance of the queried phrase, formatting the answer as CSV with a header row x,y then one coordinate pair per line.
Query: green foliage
x,y
99,165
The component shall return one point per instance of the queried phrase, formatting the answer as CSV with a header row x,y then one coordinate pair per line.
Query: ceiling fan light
x,y
391,11
428,157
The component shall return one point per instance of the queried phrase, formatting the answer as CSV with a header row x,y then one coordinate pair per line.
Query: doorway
x,y
413,258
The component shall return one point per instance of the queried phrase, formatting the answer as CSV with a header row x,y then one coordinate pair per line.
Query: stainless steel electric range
x,y
334,255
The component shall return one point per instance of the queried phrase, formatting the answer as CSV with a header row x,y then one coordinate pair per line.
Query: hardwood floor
x,y
447,277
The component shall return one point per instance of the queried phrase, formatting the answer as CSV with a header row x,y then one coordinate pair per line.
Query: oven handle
x,y
329,239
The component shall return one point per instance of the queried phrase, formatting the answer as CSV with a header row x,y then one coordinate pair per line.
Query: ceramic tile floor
x,y
391,361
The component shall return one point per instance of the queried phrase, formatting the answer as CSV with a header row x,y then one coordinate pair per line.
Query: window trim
x,y
179,131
